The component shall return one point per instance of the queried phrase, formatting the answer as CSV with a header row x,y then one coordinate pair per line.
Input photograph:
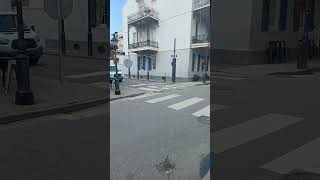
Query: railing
x,y
200,3
141,14
200,39
147,43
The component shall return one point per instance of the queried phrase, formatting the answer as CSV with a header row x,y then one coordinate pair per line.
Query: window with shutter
x,y
193,61
283,15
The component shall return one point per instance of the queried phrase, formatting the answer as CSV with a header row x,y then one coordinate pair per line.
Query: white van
x,y
9,33
112,72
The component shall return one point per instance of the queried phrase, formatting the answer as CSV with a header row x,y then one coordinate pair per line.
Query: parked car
x,y
113,72
9,35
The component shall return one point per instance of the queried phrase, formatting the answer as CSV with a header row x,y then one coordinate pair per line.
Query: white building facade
x,y
149,30
242,31
75,25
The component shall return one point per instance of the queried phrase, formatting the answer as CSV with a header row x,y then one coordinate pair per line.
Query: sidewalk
x,y
51,98
267,69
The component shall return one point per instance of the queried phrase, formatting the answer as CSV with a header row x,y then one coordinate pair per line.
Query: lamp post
x,y
89,28
24,95
114,47
173,63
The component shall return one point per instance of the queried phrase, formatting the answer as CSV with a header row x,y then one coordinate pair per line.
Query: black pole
x,y
63,37
117,88
89,28
24,95
173,64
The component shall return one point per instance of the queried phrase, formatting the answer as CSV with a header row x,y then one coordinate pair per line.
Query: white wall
x,y
76,24
232,24
173,23
5,5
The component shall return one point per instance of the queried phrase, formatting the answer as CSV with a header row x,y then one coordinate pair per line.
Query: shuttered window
x,y
265,15
283,15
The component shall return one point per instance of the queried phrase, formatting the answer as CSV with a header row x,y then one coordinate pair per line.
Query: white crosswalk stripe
x,y
136,85
227,78
88,75
305,157
186,103
234,136
160,99
144,96
203,112
149,89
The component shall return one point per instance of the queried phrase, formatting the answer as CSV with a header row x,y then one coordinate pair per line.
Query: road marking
x,y
156,100
136,85
227,78
217,107
203,112
186,103
234,136
144,96
88,75
149,89
305,158
100,84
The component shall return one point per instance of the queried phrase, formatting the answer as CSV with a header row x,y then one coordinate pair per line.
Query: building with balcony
x,y
242,32
149,30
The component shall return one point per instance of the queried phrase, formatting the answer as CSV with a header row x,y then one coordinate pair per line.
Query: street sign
x,y
128,63
51,8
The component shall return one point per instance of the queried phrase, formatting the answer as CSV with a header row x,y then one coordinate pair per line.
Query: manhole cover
x,y
166,167
204,120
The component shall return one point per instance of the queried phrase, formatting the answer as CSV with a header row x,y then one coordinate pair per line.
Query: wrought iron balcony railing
x,y
147,43
147,12
200,3
200,39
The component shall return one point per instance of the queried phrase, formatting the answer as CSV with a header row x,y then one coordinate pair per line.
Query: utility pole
x,y
60,42
89,28
24,95
307,28
63,37
173,63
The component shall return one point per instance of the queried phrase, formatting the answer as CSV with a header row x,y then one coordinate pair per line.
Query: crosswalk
x,y
186,102
159,87
305,157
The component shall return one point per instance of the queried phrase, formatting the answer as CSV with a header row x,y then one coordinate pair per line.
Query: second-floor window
x,y
274,15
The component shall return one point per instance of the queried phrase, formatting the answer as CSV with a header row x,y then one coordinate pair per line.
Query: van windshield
x,y
112,68
8,23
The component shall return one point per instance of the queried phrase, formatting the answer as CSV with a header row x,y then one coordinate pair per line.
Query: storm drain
x,y
166,167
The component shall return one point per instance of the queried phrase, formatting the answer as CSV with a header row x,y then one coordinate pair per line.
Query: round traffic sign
x,y
51,8
128,63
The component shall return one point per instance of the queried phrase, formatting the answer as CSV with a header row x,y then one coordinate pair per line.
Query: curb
x,y
71,107
53,110
123,97
72,55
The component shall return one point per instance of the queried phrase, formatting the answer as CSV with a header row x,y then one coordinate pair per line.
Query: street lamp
x,y
114,47
89,28
24,95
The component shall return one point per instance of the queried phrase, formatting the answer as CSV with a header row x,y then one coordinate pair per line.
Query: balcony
x,y
200,41
144,46
147,15
199,4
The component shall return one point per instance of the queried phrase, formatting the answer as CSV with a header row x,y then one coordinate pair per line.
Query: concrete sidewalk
x,y
52,98
265,69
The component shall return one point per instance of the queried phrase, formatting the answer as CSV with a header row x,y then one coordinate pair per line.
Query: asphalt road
x,y
71,146
145,131
265,127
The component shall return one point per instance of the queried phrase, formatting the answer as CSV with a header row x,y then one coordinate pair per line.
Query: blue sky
x,y
116,15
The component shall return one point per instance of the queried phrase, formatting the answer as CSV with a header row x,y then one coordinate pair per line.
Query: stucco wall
x,y
174,23
232,24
